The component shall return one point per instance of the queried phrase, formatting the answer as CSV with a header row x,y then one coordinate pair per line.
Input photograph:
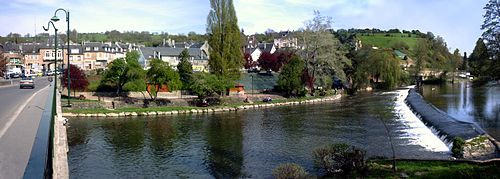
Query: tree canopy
x,y
290,80
78,81
185,69
324,56
268,61
226,57
160,74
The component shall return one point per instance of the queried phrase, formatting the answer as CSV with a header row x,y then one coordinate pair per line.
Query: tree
x,y
79,80
380,65
420,54
491,35
269,62
115,74
249,63
289,80
205,84
121,71
401,45
491,27
226,57
324,56
185,69
284,55
385,114
160,74
479,59
3,63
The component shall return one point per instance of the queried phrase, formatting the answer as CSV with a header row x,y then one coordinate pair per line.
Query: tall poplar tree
x,y
491,35
226,57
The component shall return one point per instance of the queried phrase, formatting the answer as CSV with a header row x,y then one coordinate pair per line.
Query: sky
x,y
457,21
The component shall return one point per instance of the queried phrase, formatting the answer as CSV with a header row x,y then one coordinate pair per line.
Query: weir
x,y
446,126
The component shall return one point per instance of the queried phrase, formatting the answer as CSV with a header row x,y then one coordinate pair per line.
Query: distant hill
x,y
382,40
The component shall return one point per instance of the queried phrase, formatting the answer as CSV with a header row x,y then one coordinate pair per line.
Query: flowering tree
x,y
249,63
79,81
269,61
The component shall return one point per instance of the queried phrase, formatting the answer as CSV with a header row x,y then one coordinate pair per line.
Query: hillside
x,y
381,40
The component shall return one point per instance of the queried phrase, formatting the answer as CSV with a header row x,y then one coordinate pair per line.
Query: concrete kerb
x,y
208,110
60,159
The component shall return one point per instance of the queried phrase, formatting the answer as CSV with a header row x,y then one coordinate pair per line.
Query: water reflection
x,y
467,103
224,146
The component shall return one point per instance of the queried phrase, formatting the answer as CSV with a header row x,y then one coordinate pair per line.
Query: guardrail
x,y
40,162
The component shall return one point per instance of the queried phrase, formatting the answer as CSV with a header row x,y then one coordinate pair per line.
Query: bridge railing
x,y
40,161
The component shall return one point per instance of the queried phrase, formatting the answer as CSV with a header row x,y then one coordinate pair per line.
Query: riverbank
x,y
432,169
174,110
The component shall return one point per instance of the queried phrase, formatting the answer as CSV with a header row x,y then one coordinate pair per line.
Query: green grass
x,y
64,99
380,40
94,81
434,169
178,108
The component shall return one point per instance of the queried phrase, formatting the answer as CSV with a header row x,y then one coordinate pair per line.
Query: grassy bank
x,y
178,108
432,169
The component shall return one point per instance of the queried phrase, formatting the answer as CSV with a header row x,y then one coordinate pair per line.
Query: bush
x,y
481,81
458,145
289,170
338,158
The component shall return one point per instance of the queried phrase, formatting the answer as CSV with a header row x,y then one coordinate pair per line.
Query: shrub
x,y
458,145
289,170
338,158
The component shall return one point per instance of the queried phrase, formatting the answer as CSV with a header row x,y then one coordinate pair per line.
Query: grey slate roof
x,y
49,43
149,52
11,47
30,48
266,47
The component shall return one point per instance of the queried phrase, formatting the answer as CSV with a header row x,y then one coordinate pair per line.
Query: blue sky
x,y
457,21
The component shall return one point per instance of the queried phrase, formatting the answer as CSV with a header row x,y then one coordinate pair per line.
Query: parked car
x,y
15,75
27,82
50,73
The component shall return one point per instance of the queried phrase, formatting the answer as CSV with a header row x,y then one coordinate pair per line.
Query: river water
x,y
466,103
244,143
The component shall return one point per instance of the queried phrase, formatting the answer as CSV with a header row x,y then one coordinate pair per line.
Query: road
x,y
20,114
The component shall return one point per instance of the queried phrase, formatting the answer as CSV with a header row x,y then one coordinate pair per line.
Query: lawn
x,y
433,169
381,40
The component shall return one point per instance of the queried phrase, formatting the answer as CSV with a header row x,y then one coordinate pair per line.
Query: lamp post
x,y
252,84
54,112
55,19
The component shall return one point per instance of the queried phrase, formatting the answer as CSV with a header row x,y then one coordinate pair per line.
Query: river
x,y
466,103
244,143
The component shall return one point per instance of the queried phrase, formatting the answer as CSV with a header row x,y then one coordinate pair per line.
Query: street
x,y
20,114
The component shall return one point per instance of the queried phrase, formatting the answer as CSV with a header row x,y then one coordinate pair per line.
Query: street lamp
x,y
252,84
55,64
55,19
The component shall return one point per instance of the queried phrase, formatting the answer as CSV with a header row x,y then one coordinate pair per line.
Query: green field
x,y
380,39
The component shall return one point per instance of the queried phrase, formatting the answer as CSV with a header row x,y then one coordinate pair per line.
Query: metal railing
x,y
40,161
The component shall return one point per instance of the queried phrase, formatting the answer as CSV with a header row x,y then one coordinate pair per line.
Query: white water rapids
x,y
417,133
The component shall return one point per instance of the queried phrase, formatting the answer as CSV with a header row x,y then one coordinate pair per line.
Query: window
x,y
70,57
59,53
87,48
87,55
79,58
75,51
53,53
96,48
47,53
100,55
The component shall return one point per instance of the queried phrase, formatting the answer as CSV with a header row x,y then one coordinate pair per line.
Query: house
x,y
254,53
47,53
13,55
198,56
32,58
267,47
285,39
